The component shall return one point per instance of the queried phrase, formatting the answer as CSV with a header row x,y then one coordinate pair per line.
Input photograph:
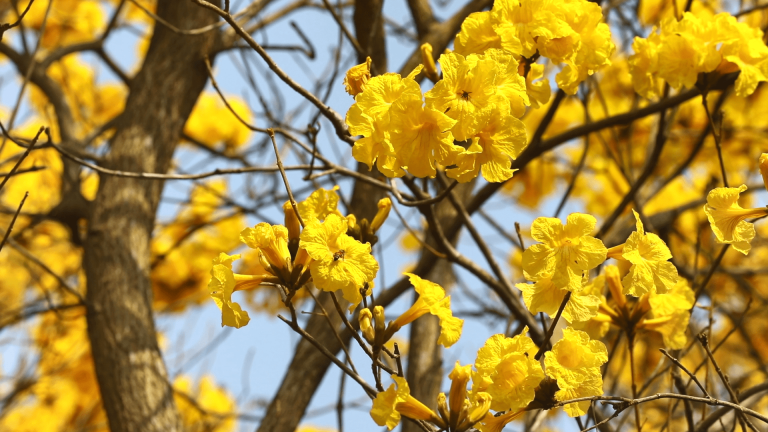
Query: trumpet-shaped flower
x,y
493,423
223,283
339,261
390,404
465,93
650,269
728,219
565,251
271,240
421,136
432,300
575,362
507,371
504,137
544,296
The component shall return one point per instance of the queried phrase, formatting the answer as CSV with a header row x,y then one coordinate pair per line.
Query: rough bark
x,y
129,367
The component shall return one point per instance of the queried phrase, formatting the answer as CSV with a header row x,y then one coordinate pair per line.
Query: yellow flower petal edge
x,y
432,300
728,219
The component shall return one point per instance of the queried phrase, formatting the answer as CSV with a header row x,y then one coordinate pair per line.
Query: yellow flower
x,y
270,240
504,137
507,371
375,145
432,300
727,218
510,85
465,93
357,77
223,283
539,91
339,261
493,423
319,205
476,35
383,90
596,327
521,24
544,296
744,48
650,269
670,314
565,252
390,404
644,65
575,363
421,136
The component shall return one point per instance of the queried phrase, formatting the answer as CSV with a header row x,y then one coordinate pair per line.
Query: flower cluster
x,y
566,32
486,85
290,256
681,50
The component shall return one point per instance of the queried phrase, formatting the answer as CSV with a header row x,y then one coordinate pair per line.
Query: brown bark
x,y
129,367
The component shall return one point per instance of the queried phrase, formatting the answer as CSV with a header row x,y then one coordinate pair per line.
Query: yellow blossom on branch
x,y
223,283
339,262
544,296
465,93
507,371
421,136
565,252
728,219
432,300
650,269
503,138
390,404
575,362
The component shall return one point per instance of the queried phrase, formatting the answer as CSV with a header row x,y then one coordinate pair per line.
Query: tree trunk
x,y
134,385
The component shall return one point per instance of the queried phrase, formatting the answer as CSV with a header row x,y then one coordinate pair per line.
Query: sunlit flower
x,y
390,404
575,362
565,251
650,269
728,219
432,300
223,283
507,371
339,262
357,77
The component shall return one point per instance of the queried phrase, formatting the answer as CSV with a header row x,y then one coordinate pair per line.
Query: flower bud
x,y
378,317
385,205
291,221
430,69
365,325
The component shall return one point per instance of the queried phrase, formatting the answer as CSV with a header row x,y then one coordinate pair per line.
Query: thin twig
x,y
13,221
285,178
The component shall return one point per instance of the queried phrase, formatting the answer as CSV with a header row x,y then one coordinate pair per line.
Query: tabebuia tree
x,y
523,214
